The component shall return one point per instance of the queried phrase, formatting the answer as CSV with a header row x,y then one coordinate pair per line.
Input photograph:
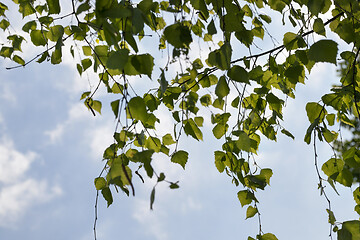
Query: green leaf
x,y
199,121
221,58
267,174
118,59
54,6
44,56
55,33
87,50
277,5
238,74
174,186
331,119
38,38
287,133
84,95
4,24
323,51
86,63
180,157
244,142
319,26
219,130
100,183
153,143
31,25
192,129
235,102
268,236
356,195
266,18
315,111
115,107
205,100
26,8
219,161
178,35
6,52
168,139
83,7
350,230
246,197
56,56
152,198
143,63
211,28
107,195
222,89
96,105
318,6
250,212
18,60
290,40
331,215
329,135
333,167
137,109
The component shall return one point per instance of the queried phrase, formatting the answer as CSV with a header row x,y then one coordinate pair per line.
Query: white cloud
x,y
18,191
16,198
190,204
101,138
76,113
7,94
56,134
144,216
13,164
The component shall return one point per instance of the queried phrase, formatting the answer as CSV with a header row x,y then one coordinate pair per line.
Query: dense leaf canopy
x,y
243,88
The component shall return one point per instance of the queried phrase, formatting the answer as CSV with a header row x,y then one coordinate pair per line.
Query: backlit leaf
x,y
315,111
137,109
54,6
250,212
18,60
238,74
319,27
221,58
246,197
107,195
350,230
178,35
38,37
115,107
118,59
180,157
222,89
152,198
268,236
100,183
323,51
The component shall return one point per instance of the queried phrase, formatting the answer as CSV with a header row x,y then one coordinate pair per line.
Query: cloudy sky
x,y
51,148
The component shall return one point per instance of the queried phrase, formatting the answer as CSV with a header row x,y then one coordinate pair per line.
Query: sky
x,y
51,151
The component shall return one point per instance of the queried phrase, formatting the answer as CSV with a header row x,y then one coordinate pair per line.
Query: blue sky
x,y
51,148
